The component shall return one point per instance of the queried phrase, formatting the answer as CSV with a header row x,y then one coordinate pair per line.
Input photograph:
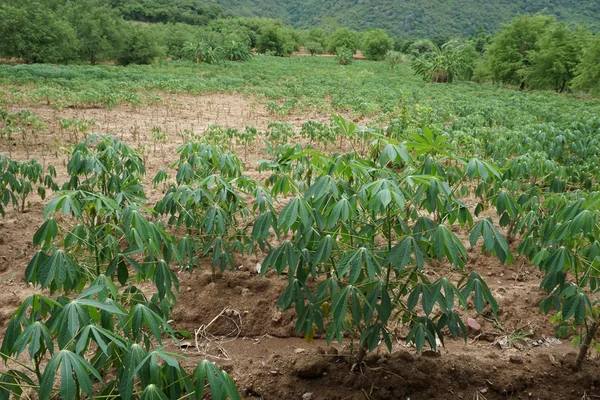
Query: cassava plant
x,y
360,230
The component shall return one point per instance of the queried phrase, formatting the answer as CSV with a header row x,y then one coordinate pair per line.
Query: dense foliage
x,y
537,52
423,18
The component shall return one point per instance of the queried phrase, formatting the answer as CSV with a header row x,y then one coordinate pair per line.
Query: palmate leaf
x,y
358,261
576,306
423,329
65,202
141,316
152,392
296,207
339,307
400,255
37,338
165,280
221,385
493,241
280,258
133,359
446,244
481,169
57,271
75,373
100,336
46,233
481,293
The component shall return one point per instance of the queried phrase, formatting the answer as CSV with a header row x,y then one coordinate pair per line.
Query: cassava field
x,y
313,231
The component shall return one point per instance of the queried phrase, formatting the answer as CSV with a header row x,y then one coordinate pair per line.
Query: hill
x,y
417,18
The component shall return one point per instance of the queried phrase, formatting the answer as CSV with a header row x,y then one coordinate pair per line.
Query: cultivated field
x,y
229,212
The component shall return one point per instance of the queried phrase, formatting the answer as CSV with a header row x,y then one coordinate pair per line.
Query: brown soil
x,y
261,350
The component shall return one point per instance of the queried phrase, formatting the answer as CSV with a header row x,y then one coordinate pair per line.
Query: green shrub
x,y
375,44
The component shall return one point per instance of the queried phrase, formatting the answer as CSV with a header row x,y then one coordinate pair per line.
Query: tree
x,y
375,44
588,71
481,39
140,47
343,37
275,40
508,54
553,64
35,33
99,31
317,35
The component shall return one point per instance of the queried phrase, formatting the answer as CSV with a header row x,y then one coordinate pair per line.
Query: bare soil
x,y
515,357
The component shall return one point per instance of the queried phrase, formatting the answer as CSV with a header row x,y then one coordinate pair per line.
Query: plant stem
x,y
585,346
389,238
362,352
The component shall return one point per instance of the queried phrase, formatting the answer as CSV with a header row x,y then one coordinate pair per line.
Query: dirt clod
x,y
309,367
515,359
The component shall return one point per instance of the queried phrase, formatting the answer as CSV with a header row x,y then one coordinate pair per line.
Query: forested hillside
x,y
418,18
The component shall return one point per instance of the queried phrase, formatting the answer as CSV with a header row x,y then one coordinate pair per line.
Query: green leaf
x,y
46,233
152,392
75,370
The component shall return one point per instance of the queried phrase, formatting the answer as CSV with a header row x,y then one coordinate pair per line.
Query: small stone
x,y
274,372
307,396
277,316
515,359
246,292
298,351
474,325
189,289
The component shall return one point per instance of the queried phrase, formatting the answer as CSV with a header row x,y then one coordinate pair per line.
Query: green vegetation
x,y
537,52
353,229
416,19
97,233
375,44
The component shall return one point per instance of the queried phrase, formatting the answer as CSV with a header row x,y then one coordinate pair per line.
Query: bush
x,y
343,37
275,40
140,47
344,56
421,47
237,51
375,44
314,48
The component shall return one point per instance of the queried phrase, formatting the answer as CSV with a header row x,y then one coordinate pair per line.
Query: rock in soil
x,y
474,326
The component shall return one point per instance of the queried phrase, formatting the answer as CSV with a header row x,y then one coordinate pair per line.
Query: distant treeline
x,y
531,52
